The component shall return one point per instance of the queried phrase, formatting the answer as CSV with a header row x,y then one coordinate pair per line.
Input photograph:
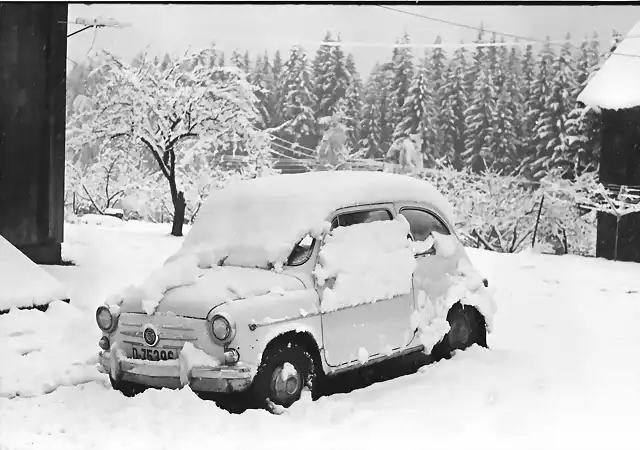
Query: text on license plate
x,y
151,354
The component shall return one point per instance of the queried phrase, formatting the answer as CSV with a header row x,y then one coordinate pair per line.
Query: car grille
x,y
133,330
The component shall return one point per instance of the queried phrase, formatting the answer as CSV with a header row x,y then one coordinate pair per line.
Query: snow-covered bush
x,y
502,214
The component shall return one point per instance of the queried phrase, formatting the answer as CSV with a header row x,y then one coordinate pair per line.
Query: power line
x,y
462,25
457,24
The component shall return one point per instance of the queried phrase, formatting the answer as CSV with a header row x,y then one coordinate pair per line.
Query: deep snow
x,y
23,283
562,371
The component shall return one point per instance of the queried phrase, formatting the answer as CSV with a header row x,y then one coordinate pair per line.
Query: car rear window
x,y
422,223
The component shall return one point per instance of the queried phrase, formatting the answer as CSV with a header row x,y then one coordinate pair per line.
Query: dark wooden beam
x,y
33,51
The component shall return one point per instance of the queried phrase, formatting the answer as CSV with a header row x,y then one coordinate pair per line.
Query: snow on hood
x,y
615,85
255,223
212,287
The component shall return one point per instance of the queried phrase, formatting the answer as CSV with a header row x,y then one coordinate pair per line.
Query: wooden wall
x,y
33,50
620,164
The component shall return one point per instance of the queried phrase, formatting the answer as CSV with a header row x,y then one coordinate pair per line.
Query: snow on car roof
x,y
257,222
615,85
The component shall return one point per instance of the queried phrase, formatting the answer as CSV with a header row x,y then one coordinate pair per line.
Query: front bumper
x,y
170,374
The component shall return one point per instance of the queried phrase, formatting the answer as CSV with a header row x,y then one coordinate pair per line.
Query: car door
x,y
433,265
356,334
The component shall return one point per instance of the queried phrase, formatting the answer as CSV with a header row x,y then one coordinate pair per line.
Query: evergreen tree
x,y
298,100
372,118
435,64
260,80
480,114
538,114
453,104
401,83
387,105
560,101
417,113
332,78
583,124
354,105
321,69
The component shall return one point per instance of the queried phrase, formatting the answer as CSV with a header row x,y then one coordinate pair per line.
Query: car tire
x,y
127,388
286,369
467,327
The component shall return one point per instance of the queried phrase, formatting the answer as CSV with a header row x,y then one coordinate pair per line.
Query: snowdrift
x,y
23,284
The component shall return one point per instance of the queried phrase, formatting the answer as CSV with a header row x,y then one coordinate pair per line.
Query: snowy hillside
x,y
560,372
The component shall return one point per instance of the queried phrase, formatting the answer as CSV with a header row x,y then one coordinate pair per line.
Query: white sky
x,y
176,28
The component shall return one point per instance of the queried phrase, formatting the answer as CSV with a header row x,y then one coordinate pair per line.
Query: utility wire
x,y
457,24
470,27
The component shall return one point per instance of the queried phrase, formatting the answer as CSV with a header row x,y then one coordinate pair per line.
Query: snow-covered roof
x,y
257,222
22,282
616,85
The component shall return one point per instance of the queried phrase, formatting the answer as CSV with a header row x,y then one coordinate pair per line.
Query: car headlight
x,y
222,327
106,320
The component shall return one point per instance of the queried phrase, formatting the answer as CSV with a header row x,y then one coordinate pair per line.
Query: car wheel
x,y
127,388
284,372
467,327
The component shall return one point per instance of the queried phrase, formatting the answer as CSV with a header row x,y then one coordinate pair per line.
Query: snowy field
x,y
562,371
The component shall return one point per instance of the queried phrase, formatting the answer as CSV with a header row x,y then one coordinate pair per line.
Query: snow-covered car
x,y
284,280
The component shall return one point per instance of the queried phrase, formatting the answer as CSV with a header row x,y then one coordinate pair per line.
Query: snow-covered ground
x,y
562,371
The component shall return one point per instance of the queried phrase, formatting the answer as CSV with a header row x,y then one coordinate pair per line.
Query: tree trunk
x,y
179,206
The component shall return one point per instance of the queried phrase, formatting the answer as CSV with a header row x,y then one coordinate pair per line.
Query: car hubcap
x,y
460,333
285,385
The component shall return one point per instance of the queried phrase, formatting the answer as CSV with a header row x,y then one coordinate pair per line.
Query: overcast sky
x,y
176,28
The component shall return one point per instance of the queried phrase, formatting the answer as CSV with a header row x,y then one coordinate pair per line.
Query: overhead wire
x,y
500,33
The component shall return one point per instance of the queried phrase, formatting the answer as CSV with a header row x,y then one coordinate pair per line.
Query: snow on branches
x,y
180,116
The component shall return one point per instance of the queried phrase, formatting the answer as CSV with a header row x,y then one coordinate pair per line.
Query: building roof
x,y
617,84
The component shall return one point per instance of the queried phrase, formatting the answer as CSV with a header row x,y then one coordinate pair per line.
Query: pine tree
x,y
321,68
271,91
480,115
417,113
435,63
583,124
516,109
387,105
538,114
504,136
259,79
454,103
298,99
371,127
553,150
401,82
332,78
354,105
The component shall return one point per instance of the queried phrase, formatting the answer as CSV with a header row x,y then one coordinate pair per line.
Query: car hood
x,y
218,285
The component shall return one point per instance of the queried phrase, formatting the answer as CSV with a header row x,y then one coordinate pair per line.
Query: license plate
x,y
152,354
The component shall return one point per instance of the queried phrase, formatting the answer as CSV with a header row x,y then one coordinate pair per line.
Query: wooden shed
x,y
33,51
615,90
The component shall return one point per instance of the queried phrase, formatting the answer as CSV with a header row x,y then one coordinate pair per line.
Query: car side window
x,y
422,223
357,217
